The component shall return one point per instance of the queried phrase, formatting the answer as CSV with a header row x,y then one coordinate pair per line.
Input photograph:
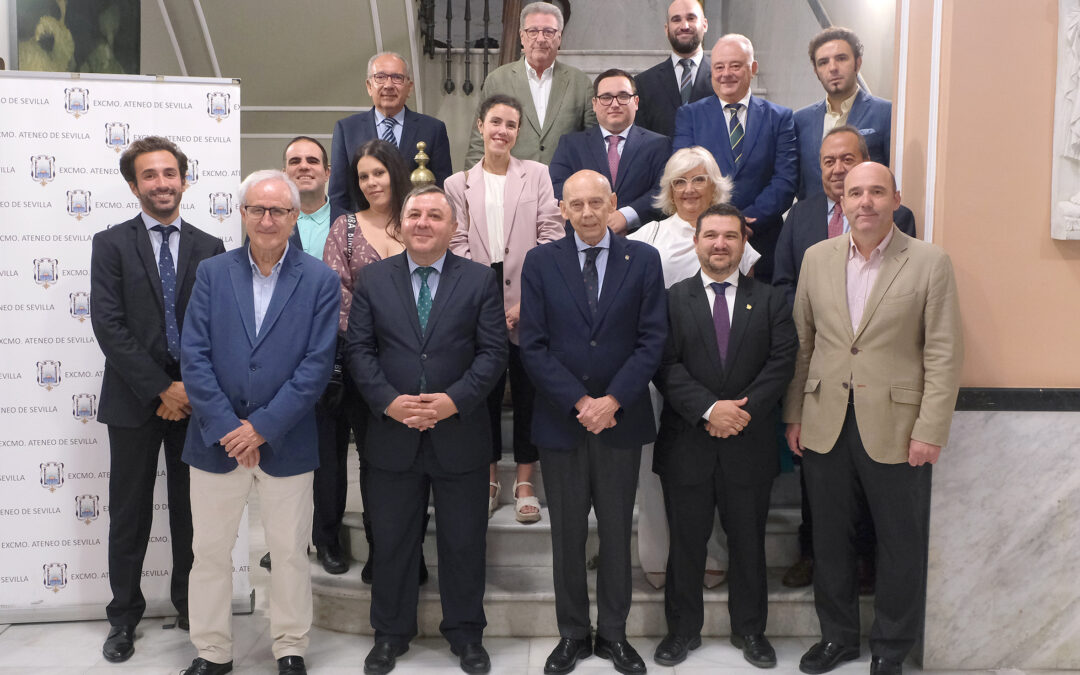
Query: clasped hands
x,y
597,414
422,411
174,403
727,418
243,444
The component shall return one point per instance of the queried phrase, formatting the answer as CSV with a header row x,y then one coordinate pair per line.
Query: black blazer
x,y
463,353
658,90
805,226
760,362
128,316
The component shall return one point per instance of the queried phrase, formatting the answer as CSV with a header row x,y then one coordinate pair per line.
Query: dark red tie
x,y
613,157
836,222
721,322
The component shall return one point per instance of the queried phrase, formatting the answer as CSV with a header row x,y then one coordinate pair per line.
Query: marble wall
x,y
1004,579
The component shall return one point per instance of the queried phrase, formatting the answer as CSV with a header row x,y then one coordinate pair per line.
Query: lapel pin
x,y
748,307
627,256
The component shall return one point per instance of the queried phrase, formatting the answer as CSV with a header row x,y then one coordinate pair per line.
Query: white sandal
x,y
493,500
522,502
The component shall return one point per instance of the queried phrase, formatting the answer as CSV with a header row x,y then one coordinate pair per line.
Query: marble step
x,y
514,544
520,602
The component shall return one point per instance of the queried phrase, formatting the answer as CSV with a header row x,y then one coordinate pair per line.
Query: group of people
x,y
616,252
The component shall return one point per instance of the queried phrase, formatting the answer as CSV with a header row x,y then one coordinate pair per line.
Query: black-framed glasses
x,y
606,99
381,78
534,33
699,181
276,212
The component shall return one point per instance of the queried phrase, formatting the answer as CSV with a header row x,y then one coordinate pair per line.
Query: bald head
x,y
587,202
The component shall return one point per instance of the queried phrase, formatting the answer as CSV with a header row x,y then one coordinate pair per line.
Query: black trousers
x,y
523,394
743,510
330,483
864,531
898,496
598,477
398,502
133,461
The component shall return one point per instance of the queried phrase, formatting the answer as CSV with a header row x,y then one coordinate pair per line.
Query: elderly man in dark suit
x,y
426,344
592,333
730,354
140,282
683,77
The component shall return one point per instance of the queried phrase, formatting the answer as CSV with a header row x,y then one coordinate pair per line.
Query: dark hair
x,y
499,99
836,33
150,144
325,159
848,129
388,155
613,72
432,189
722,209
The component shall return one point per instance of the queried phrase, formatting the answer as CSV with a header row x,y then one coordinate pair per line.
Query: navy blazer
x,y
355,130
568,353
271,379
463,353
766,176
640,166
658,90
805,226
871,115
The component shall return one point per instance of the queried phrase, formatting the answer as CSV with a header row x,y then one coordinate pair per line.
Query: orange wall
x,y
1019,289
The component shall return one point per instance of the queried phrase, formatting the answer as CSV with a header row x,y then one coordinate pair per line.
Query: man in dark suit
x,y
729,356
426,344
389,85
752,140
836,55
258,348
140,281
592,333
632,159
681,78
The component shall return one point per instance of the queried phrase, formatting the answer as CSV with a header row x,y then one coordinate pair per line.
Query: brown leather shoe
x,y
801,574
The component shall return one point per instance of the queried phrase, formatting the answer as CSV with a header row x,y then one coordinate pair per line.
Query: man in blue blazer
x,y
752,140
389,85
593,324
426,345
836,55
639,159
257,350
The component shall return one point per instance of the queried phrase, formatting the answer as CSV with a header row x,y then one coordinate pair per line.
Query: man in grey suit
x,y
557,98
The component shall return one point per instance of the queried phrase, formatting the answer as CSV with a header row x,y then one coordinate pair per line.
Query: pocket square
x,y
867,132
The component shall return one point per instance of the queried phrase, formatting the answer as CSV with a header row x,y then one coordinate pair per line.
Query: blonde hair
x,y
685,160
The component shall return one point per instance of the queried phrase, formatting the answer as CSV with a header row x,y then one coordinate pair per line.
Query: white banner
x,y
60,144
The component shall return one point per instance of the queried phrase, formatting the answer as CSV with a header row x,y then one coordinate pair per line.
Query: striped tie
x,y
388,130
735,130
685,82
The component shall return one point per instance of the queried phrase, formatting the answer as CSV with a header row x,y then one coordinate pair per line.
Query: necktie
x,y
836,222
721,322
735,130
167,272
423,300
388,130
613,156
685,82
592,279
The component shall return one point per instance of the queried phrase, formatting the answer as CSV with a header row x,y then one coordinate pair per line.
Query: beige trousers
x,y
217,504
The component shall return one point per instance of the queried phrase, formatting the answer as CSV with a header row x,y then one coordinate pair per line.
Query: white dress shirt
x,y
540,86
695,59
494,190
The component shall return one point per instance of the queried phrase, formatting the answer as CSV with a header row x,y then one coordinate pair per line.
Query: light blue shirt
x,y
828,214
432,280
632,220
314,229
601,258
399,118
263,287
155,238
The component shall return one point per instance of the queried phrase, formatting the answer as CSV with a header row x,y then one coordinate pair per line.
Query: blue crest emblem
x,y
48,374
52,475
116,135
86,508
78,203
84,407
192,176
45,271
76,101
43,168
80,305
217,105
221,205
54,576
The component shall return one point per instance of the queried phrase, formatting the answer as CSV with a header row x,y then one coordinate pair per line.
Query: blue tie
x,y
388,130
167,271
423,311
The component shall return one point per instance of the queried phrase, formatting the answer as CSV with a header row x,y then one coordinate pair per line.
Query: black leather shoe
x,y
291,665
264,562
382,657
473,657
756,649
120,644
566,654
799,575
333,560
824,656
201,666
624,657
673,649
882,666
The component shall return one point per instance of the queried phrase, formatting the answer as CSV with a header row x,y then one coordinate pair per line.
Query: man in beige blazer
x,y
869,409
557,98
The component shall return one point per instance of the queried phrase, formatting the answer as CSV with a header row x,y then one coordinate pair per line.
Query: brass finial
x,y
422,175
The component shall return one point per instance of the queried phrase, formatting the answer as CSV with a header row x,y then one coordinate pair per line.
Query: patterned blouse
x,y
335,254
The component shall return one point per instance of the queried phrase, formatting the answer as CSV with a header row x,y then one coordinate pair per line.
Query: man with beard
x,y
140,282
681,78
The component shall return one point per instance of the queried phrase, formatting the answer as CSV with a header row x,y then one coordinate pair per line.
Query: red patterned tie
x,y
613,157
836,222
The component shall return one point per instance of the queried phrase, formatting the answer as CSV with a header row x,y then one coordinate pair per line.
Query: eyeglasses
x,y
381,78
606,99
534,33
276,212
699,181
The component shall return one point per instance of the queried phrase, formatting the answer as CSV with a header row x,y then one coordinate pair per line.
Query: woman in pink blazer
x,y
505,206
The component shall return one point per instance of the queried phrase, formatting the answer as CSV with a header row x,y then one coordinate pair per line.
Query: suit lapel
x,y
716,112
755,120
570,268
240,274
448,279
618,261
703,80
146,254
288,279
630,148
740,315
403,285
515,184
560,80
896,256
407,146
670,83
519,82
476,202
702,316
858,110
819,219
838,275
597,149
183,259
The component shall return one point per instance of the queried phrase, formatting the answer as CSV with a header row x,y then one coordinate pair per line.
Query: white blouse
x,y
494,189
673,237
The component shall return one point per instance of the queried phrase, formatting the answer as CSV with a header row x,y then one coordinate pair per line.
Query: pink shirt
x,y
861,275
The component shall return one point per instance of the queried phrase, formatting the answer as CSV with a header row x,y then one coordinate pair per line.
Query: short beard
x,y
679,49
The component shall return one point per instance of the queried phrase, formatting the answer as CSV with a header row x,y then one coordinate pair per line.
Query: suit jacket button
x,y
423,357
585,378
854,350
253,368
844,385
592,343
541,147
507,282
506,251
243,402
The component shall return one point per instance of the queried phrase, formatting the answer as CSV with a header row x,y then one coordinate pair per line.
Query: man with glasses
x,y
681,78
555,96
631,158
389,85
257,350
